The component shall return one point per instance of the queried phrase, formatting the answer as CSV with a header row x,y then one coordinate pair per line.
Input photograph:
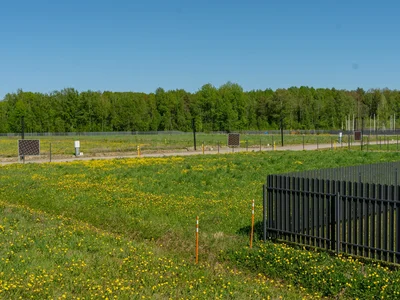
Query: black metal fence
x,y
345,210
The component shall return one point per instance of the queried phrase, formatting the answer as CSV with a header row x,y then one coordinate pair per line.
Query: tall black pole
x,y
22,127
194,133
282,131
23,135
362,132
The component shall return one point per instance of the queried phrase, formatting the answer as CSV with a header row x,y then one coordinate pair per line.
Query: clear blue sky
x,y
128,45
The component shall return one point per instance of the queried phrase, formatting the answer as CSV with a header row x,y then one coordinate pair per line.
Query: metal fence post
x,y
396,195
361,142
337,222
264,213
348,141
332,219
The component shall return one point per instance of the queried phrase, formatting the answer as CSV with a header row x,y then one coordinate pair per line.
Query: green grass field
x,y
64,145
125,228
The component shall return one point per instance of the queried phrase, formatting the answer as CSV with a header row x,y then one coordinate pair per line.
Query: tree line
x,y
227,108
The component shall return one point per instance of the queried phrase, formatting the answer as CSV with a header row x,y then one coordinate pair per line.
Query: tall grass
x,y
130,223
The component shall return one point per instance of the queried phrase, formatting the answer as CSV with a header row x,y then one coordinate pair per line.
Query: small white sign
x,y
77,144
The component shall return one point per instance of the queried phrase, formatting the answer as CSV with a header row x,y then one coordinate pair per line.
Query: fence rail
x,y
357,218
382,173
366,132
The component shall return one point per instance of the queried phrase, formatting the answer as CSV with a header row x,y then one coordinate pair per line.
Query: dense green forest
x,y
226,108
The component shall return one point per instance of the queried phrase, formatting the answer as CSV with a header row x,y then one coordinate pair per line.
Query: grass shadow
x,y
258,230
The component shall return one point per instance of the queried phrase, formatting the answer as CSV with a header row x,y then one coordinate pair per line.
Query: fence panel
x,y
356,218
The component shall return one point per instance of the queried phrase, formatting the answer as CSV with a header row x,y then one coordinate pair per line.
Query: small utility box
x,y
77,147
233,140
357,135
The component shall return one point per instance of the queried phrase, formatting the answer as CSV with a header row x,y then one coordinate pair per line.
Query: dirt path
x,y
300,147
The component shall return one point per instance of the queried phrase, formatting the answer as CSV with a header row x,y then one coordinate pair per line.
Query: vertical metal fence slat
x,y
327,214
314,214
291,210
265,211
385,222
298,207
374,218
294,208
397,193
281,206
343,193
288,208
349,216
361,240
355,217
379,223
303,210
337,218
271,195
367,241
271,201
273,206
287,212
332,214
391,222
306,211
278,205
318,219
268,203
322,212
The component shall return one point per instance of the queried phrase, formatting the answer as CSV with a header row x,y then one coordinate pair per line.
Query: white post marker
x,y
77,146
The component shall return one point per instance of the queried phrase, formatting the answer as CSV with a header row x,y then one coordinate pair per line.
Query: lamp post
x,y
282,130
23,127
194,133
282,122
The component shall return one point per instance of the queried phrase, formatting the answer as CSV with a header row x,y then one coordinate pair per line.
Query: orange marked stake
x,y
197,239
252,225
